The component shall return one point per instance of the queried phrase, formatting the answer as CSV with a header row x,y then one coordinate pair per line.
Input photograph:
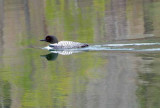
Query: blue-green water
x,y
120,68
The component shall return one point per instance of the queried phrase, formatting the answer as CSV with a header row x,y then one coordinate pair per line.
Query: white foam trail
x,y
131,44
150,50
47,48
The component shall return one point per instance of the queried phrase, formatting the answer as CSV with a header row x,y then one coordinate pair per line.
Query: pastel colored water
x,y
120,68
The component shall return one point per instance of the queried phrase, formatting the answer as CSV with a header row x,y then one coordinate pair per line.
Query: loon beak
x,y
43,40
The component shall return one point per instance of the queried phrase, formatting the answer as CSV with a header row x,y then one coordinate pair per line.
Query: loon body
x,y
63,44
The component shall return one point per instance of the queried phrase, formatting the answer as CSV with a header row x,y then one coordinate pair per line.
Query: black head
x,y
50,39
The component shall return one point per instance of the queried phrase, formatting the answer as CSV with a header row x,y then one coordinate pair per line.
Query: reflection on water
x,y
50,56
119,70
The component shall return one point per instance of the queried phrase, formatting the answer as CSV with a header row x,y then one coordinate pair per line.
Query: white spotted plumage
x,y
67,45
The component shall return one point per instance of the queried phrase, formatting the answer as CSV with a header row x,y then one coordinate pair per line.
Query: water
x,y
120,68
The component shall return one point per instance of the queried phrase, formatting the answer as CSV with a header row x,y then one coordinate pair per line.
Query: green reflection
x,y
73,20
5,98
148,87
37,83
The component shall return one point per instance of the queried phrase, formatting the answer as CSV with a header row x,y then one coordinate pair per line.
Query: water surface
x,y
119,70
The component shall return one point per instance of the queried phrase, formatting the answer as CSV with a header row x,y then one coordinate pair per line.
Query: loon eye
x,y
47,38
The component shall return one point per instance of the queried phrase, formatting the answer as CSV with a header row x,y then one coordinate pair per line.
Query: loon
x,y
62,44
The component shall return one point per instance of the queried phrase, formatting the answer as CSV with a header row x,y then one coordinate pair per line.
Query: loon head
x,y
50,39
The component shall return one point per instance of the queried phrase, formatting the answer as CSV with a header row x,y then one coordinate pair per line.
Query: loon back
x,y
68,45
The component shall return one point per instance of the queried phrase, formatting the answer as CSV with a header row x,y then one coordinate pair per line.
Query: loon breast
x,y
68,45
